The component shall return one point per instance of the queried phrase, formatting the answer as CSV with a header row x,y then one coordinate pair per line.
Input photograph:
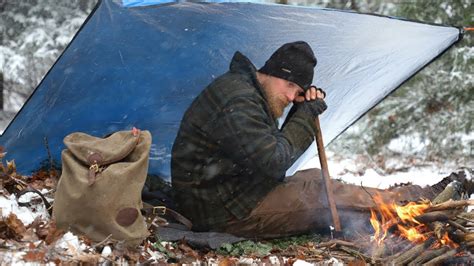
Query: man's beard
x,y
276,104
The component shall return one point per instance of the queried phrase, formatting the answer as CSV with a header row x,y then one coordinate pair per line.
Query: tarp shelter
x,y
143,66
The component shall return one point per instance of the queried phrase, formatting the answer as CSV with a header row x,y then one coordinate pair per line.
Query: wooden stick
x,y
440,259
430,217
326,177
413,253
357,254
336,242
450,204
429,255
458,226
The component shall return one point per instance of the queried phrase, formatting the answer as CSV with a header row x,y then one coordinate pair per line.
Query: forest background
x,y
427,121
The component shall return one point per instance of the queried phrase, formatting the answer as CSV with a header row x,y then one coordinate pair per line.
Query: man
x,y
230,157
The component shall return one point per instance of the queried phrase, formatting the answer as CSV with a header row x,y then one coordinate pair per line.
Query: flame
x,y
411,210
445,240
393,216
412,233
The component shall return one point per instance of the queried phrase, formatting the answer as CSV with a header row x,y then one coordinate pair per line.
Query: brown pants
x,y
300,205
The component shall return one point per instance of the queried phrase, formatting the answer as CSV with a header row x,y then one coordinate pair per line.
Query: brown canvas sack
x,y
99,192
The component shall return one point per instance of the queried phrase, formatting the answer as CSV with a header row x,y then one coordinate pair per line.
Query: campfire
x,y
423,232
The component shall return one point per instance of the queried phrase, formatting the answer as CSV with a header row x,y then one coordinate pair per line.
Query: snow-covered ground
x,y
351,171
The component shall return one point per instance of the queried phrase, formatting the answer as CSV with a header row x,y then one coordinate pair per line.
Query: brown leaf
x,y
53,233
88,259
50,182
226,262
30,235
188,251
40,175
131,255
16,225
34,255
85,240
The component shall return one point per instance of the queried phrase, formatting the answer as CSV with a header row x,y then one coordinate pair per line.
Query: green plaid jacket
x,y
229,152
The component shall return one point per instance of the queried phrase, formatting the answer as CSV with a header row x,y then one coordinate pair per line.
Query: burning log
x,y
435,216
432,225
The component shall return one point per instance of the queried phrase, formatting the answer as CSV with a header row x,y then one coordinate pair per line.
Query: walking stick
x,y
326,178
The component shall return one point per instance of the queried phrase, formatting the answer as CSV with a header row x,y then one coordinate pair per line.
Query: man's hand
x,y
312,93
312,102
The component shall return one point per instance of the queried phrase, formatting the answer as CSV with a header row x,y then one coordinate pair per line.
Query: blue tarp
x,y
143,66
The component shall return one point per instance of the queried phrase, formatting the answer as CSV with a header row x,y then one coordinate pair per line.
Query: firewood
x,y
450,204
469,244
457,226
413,253
450,192
440,259
435,216
465,218
467,237
400,248
429,255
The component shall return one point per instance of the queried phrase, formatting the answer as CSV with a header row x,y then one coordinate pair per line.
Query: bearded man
x,y
230,157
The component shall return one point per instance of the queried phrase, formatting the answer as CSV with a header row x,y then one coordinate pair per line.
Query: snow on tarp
x,y
143,66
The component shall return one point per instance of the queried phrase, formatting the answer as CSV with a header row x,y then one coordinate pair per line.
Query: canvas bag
x,y
99,192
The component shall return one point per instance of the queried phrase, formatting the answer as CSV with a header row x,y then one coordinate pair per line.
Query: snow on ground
x,y
26,215
349,170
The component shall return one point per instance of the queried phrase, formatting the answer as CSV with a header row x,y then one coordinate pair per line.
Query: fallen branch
x,y
457,226
450,204
357,254
435,216
336,242
429,255
413,253
440,259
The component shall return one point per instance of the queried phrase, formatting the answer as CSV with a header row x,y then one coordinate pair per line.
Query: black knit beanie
x,y
294,62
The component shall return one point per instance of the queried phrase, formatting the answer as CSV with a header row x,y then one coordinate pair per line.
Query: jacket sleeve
x,y
245,135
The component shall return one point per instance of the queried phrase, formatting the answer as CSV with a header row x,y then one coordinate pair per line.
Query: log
x,y
429,255
406,245
435,216
458,226
413,253
469,244
467,237
465,218
451,204
440,259
469,216
451,191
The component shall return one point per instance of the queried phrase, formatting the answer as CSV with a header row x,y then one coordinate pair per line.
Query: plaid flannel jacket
x,y
229,152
